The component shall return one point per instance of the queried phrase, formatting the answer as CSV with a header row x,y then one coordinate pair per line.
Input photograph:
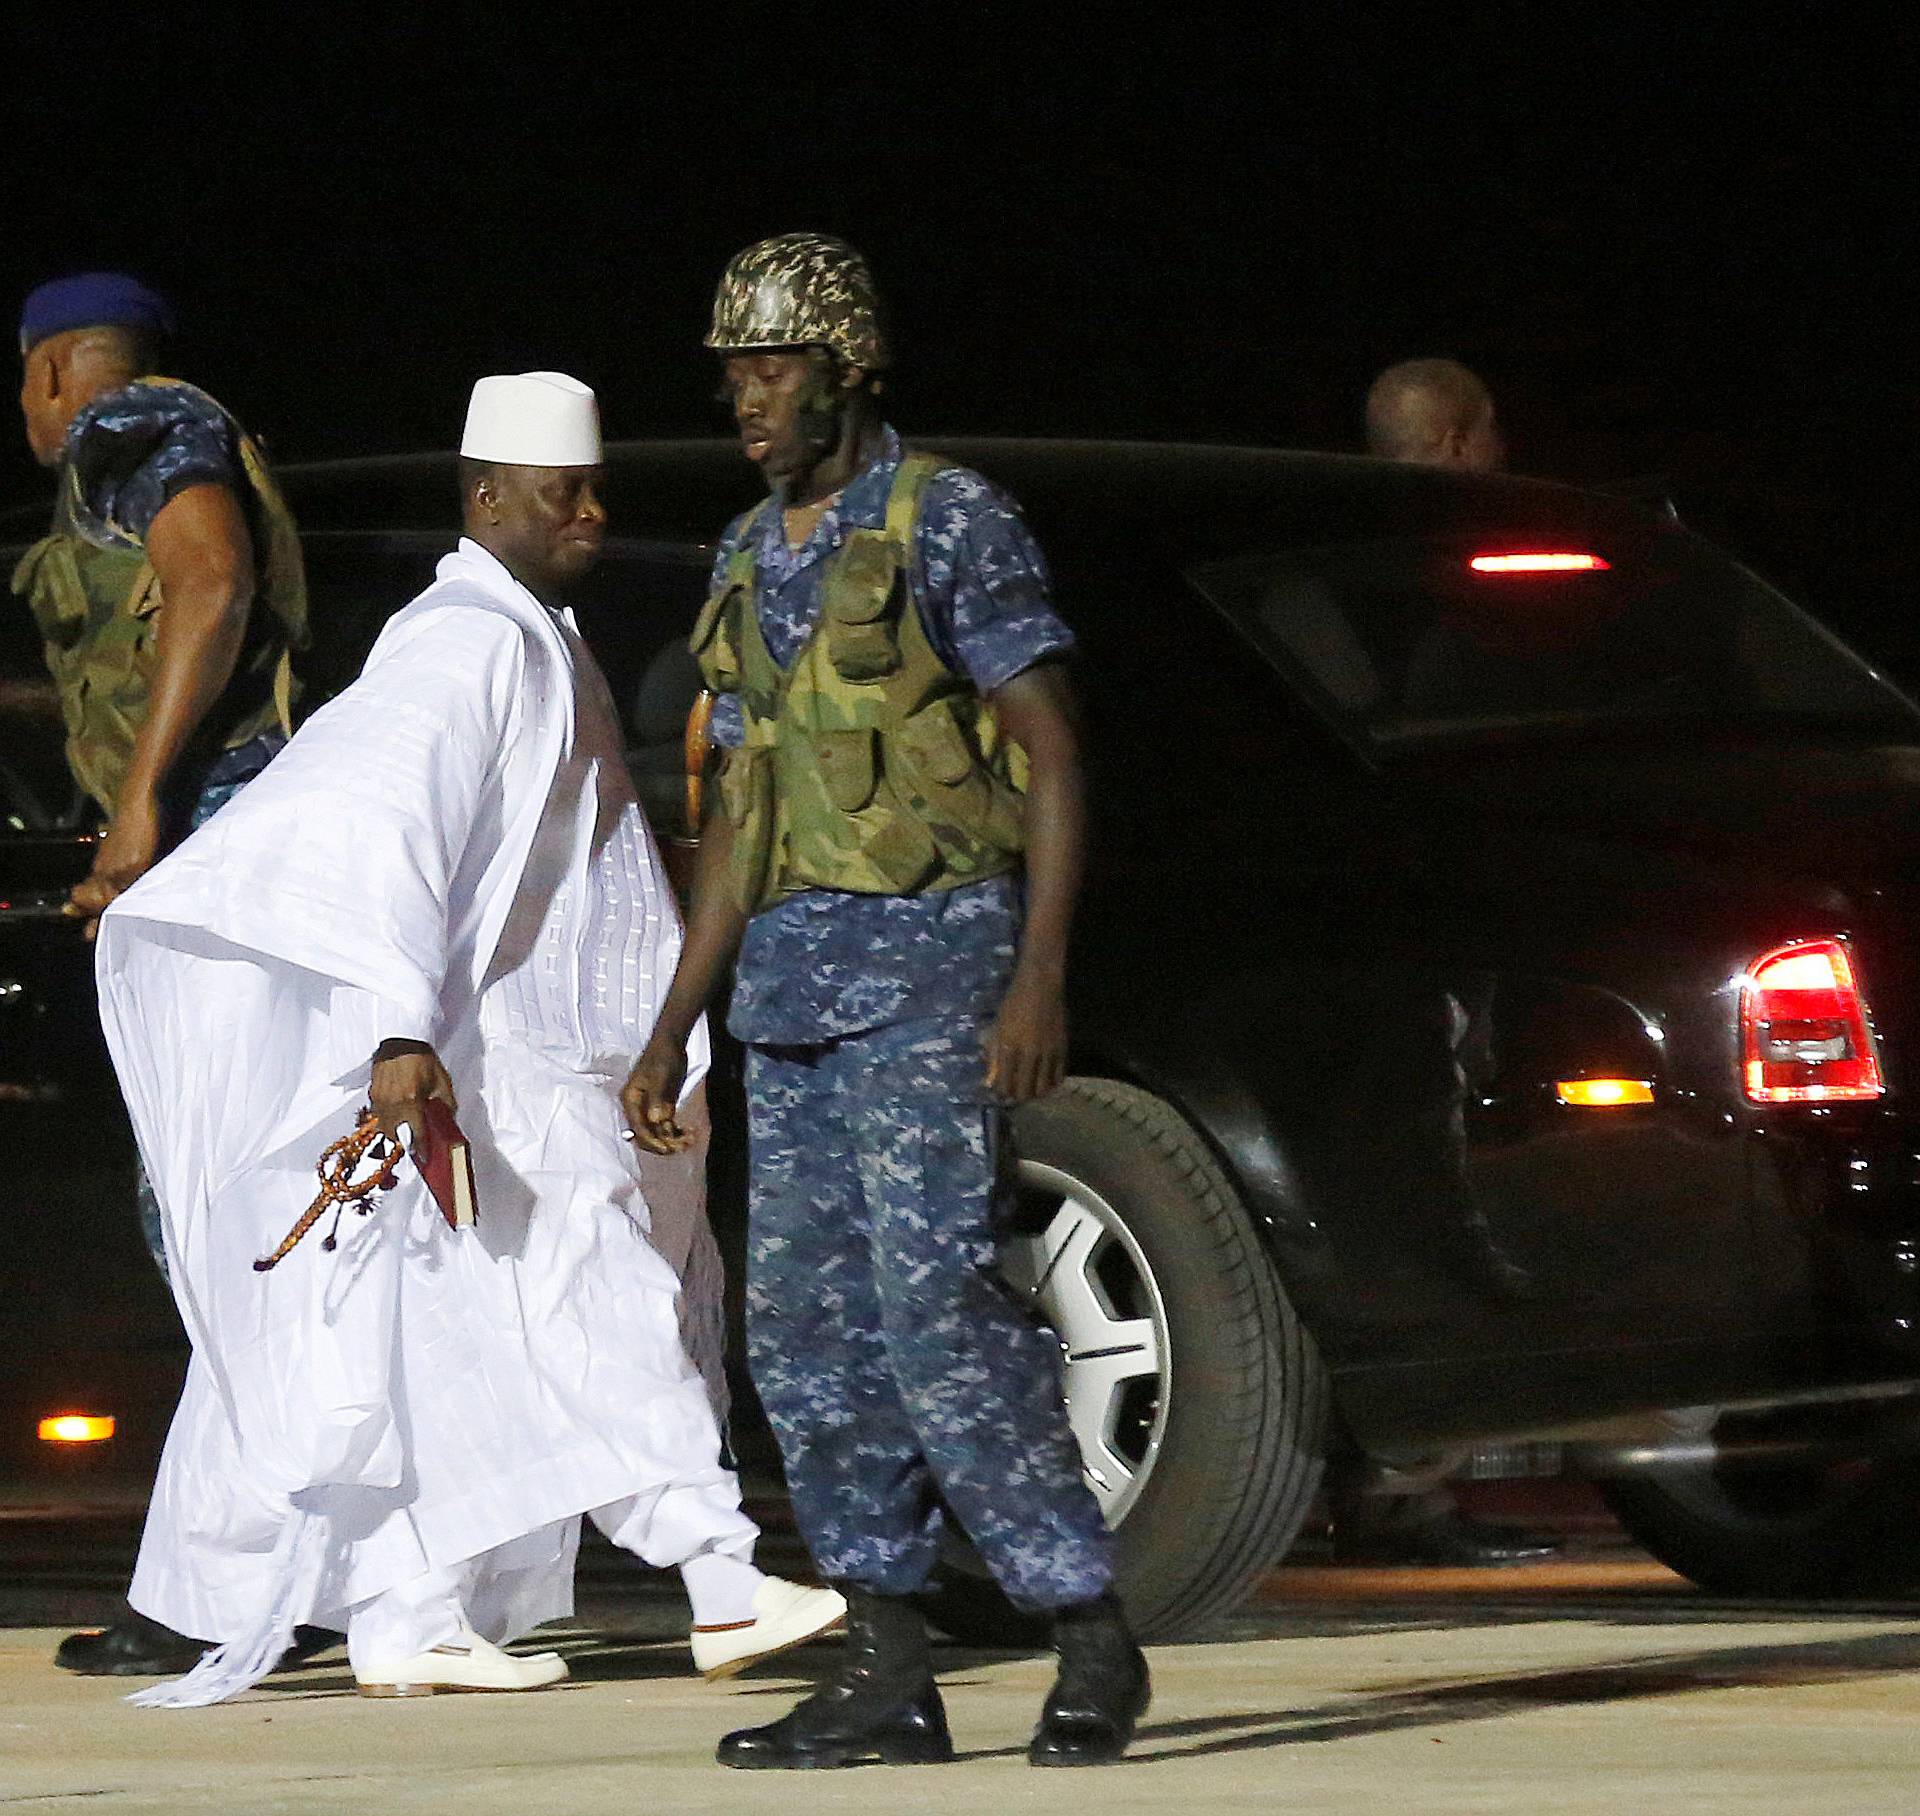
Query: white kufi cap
x,y
533,419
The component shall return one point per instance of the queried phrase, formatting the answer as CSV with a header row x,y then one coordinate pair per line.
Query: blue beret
x,y
94,299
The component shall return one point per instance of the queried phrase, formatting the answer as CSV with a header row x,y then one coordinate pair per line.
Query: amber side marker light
x,y
1544,561
76,1428
1603,1093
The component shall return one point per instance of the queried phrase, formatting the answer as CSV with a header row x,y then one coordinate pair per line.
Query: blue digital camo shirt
x,y
135,450
823,964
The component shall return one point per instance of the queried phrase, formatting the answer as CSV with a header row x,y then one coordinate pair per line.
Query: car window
x,y
1166,683
1407,643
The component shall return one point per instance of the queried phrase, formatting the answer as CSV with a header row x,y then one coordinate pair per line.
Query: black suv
x,y
1491,1003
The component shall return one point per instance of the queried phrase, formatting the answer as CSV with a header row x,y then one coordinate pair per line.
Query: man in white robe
x,y
443,888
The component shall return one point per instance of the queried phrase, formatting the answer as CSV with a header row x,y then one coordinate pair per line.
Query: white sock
x,y
721,1588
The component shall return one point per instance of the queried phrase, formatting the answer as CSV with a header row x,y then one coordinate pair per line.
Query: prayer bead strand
x,y
337,1187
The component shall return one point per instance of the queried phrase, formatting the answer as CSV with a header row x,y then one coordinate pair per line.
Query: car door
x,y
1508,1163
86,1323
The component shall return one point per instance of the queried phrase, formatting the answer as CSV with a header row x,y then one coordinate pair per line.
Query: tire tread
x,y
1279,1423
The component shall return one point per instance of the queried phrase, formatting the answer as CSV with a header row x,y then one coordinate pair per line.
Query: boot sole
x,y
157,1667
832,1761
1079,1759
1102,1757
393,1690
293,1659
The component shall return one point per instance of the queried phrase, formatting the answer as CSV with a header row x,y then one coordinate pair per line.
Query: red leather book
x,y
445,1161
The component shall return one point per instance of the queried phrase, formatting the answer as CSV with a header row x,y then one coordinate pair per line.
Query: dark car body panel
x,y
1358,974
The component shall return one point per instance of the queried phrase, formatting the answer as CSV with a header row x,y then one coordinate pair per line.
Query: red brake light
x,y
1805,1036
1545,561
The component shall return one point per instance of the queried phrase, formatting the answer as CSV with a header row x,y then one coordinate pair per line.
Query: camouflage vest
x,y
95,606
869,766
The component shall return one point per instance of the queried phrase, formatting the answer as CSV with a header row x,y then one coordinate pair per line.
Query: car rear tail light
x,y
1805,1033
1542,561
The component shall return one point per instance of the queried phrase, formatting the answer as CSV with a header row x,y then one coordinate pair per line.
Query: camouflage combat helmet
x,y
800,290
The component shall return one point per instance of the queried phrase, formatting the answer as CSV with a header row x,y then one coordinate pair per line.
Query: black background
x,y
1674,240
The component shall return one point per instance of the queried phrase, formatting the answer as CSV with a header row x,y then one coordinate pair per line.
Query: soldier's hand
x,y
126,853
405,1074
651,1094
1027,1044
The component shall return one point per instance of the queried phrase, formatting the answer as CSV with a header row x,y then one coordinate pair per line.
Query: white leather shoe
x,y
465,1663
784,1615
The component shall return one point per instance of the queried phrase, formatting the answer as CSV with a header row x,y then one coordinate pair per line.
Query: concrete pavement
x,y
1588,1688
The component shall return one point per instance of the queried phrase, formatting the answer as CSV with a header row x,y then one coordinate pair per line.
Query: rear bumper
x,y
1835,1197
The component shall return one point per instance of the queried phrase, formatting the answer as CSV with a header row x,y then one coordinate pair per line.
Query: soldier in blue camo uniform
x,y
895,857
170,598
169,593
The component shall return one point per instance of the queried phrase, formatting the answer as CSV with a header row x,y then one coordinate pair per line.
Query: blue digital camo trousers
x,y
897,1369
230,773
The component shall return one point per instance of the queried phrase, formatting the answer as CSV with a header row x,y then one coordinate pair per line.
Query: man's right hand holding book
x,y
412,1098
405,1074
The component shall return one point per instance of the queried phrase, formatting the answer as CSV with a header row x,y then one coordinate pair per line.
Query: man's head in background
x,y
1434,413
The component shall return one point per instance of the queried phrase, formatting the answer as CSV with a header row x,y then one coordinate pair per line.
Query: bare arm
x,y
1027,1046
714,926
203,559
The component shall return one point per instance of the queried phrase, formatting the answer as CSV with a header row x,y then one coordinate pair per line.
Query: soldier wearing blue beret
x,y
170,597
169,592
895,856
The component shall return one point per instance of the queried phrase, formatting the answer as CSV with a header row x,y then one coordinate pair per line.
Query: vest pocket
x,y
974,816
863,652
935,745
945,784
846,760
863,579
863,634
48,578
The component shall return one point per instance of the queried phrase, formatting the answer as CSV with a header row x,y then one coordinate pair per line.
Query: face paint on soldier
x,y
546,524
790,408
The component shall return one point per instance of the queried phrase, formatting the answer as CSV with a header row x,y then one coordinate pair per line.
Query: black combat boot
x,y
132,1647
1101,1692
882,1702
138,1647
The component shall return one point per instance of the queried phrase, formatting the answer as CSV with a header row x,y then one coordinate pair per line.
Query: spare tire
x,y
1198,1398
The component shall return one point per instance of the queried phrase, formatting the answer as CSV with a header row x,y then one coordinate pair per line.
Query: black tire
x,y
1238,1431
1819,1527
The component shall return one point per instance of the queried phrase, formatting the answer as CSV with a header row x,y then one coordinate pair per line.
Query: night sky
x,y
1673,240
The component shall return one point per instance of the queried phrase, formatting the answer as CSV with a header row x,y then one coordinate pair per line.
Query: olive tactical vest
x,y
869,766
95,605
